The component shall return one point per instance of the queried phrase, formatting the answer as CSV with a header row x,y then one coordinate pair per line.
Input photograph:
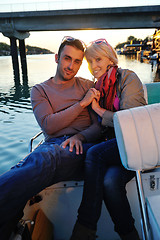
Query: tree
x,y
131,38
4,46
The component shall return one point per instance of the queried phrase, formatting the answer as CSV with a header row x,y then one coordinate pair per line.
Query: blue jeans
x,y
105,179
46,165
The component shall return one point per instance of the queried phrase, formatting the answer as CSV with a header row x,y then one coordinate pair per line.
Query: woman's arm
x,y
106,115
96,107
131,90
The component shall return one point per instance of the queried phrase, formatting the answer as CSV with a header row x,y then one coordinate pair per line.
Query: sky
x,y
52,39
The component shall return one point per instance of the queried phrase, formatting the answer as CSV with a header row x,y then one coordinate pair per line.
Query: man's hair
x,y
74,43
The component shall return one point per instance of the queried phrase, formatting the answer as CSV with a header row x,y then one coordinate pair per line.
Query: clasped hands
x,y
92,97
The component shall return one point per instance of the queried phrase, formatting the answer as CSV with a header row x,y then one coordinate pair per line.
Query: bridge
x,y
75,19
17,25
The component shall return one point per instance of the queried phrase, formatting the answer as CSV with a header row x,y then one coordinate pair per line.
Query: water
x,y
17,122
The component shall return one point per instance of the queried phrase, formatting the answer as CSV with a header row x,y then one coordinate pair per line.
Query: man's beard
x,y
66,77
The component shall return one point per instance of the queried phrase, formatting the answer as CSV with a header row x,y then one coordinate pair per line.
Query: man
x,y
60,107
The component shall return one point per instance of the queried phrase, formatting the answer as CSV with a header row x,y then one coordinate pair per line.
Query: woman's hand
x,y
95,104
96,107
88,98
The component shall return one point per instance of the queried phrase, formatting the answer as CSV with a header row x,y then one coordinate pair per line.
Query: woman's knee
x,y
112,178
117,177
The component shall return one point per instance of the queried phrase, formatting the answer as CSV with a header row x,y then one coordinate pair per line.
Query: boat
x,y
52,213
153,57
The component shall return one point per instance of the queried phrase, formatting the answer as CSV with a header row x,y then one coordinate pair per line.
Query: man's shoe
x,y
81,232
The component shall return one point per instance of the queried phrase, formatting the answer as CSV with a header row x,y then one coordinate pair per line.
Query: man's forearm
x,y
81,137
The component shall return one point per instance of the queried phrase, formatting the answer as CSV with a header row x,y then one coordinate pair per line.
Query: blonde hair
x,y
104,49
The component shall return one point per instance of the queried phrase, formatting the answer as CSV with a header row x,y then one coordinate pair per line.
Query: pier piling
x,y
22,51
15,63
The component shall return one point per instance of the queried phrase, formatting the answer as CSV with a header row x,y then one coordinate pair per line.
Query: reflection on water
x,y
17,93
17,98
17,122
146,70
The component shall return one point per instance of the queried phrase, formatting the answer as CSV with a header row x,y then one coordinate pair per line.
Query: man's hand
x,y
74,141
90,95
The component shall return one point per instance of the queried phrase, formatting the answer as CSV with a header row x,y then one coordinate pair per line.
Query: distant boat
x,y
153,57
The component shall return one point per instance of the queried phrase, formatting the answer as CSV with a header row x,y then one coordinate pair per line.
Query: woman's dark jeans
x,y
106,179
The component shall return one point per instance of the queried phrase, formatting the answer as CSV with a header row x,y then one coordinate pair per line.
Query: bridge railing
x,y
67,4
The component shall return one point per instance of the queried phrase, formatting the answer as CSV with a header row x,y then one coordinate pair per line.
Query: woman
x,y
105,177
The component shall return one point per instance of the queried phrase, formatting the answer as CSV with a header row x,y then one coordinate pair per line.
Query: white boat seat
x,y
138,137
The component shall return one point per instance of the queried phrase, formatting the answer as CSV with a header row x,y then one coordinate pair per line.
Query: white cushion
x,y
138,136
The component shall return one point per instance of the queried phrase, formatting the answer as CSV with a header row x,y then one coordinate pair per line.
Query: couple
x,y
66,108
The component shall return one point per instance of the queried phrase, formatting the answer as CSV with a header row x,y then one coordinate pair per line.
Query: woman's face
x,y
98,65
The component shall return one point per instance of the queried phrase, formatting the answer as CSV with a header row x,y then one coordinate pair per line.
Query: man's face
x,y
69,62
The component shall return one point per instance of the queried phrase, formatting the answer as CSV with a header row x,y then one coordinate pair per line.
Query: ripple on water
x,y
16,132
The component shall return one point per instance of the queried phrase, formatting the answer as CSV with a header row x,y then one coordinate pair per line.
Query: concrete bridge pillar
x,y
15,63
14,35
22,51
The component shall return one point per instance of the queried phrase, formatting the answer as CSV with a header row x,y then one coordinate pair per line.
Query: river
x,y
17,122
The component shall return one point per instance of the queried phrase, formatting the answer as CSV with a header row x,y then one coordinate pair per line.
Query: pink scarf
x,y
106,84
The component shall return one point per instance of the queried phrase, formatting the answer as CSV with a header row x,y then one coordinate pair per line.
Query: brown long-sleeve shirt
x,y
58,111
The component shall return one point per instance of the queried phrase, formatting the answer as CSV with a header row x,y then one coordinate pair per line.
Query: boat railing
x,y
32,140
